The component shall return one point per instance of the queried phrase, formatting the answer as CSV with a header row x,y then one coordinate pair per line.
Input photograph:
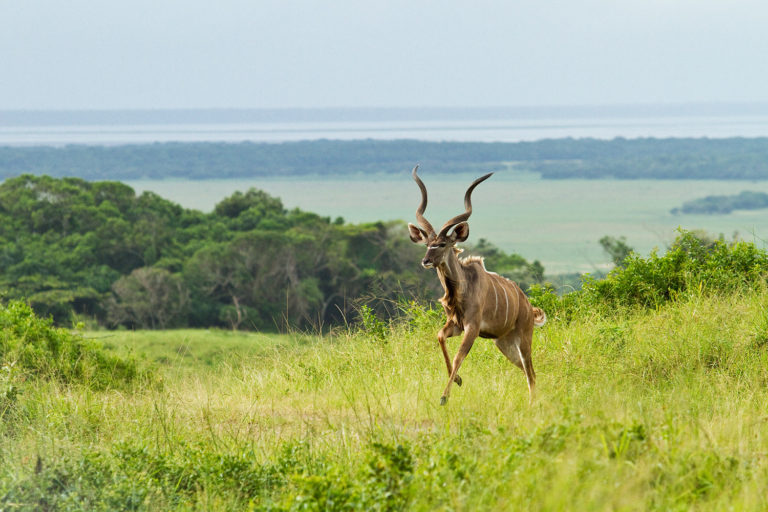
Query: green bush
x,y
33,348
555,306
132,476
372,326
694,263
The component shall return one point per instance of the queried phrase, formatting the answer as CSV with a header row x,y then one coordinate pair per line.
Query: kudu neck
x,y
450,270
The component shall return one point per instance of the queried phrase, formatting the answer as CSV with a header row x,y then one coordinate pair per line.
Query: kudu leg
x,y
446,332
517,348
470,334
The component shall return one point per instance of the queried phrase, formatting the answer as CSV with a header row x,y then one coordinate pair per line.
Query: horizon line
x,y
205,115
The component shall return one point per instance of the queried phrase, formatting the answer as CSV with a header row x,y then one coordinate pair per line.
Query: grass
x,y
660,409
195,349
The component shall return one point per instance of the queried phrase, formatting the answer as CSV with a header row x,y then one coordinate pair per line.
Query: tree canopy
x,y
98,249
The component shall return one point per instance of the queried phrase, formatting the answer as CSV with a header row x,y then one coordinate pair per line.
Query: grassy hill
x,y
638,408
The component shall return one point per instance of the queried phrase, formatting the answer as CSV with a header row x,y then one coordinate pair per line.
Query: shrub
x,y
693,263
374,327
36,349
562,307
131,476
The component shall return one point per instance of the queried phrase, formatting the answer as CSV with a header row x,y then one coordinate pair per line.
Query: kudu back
x,y
476,302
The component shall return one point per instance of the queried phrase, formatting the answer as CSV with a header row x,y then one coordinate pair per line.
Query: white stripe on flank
x,y
495,298
506,303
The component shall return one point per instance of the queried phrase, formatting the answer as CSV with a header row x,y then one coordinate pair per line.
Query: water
x,y
482,125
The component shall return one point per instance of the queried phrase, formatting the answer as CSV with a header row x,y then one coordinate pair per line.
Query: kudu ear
x,y
460,232
418,235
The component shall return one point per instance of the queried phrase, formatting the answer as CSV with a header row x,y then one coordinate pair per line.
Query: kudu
x,y
477,302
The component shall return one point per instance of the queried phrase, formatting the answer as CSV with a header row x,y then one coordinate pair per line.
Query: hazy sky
x,y
101,54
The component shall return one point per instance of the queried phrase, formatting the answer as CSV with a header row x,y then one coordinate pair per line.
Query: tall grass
x,y
637,409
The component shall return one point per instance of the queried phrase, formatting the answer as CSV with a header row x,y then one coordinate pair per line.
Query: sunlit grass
x,y
195,348
643,410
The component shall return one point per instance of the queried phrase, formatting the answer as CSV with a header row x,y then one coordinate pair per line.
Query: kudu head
x,y
440,245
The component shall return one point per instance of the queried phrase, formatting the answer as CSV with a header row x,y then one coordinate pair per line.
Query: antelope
x,y
476,302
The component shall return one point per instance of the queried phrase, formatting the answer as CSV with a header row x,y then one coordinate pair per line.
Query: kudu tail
x,y
539,317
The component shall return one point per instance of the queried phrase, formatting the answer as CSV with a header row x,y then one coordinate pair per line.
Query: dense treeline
x,y
726,159
735,158
745,200
99,250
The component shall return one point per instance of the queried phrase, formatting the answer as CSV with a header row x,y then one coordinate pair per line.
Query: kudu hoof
x,y
443,400
457,380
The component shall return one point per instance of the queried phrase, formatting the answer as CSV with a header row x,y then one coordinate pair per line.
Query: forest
x,y
97,252
648,158
720,204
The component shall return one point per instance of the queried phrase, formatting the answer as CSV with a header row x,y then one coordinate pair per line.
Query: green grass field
x,y
663,409
196,349
558,222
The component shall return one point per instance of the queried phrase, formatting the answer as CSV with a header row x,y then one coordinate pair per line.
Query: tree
x,y
148,298
253,199
617,249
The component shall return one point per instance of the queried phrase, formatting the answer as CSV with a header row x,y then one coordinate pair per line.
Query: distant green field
x,y
557,222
